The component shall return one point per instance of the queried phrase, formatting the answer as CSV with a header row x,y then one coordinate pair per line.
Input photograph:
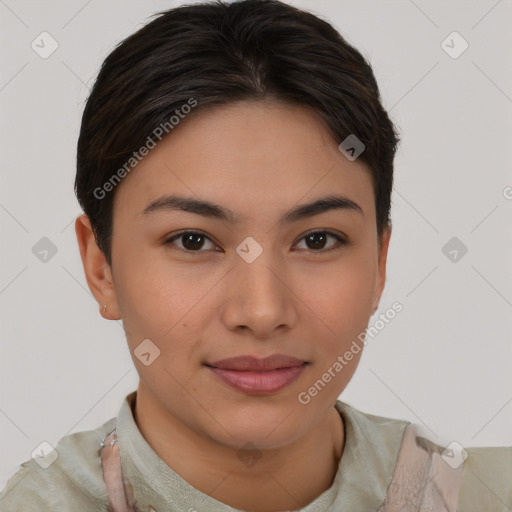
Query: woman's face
x,y
257,284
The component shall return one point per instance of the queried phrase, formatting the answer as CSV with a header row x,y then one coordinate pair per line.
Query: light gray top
x,y
74,481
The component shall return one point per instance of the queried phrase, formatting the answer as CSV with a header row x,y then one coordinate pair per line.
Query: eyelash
x,y
341,242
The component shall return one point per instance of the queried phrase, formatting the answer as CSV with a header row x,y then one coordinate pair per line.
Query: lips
x,y
255,376
251,363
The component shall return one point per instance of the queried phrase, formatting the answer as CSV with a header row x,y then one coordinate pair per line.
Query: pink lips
x,y
258,376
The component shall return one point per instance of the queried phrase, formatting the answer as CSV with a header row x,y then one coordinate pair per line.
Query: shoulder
x,y
68,478
486,480
367,419
366,426
375,438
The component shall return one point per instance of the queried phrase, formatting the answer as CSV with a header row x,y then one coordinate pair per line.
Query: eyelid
x,y
328,231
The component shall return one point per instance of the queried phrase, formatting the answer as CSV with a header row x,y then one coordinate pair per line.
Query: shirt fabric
x,y
74,481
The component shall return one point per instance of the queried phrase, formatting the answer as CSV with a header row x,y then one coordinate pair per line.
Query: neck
x,y
287,478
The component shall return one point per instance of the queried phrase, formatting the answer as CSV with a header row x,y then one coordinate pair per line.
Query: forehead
x,y
248,155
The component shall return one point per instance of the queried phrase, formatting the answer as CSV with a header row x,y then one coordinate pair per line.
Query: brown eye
x,y
194,241
317,240
191,241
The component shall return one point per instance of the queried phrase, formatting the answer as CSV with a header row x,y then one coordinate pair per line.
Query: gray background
x,y
444,362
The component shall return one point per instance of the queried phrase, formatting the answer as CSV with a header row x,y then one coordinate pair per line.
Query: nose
x,y
260,298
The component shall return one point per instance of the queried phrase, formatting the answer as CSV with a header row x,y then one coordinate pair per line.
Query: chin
x,y
265,426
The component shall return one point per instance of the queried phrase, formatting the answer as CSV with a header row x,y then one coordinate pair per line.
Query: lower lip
x,y
259,383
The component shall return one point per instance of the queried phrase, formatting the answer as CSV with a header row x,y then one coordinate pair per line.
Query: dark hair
x,y
216,53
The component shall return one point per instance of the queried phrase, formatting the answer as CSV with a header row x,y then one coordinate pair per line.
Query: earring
x,y
104,309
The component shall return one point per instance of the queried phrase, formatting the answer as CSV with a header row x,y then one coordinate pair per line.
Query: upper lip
x,y
251,363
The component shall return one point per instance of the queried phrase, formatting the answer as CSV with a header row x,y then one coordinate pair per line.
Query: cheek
x,y
341,304
151,292
341,295
154,306
163,302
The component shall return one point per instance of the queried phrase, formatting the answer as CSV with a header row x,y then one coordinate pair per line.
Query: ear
x,y
381,276
97,271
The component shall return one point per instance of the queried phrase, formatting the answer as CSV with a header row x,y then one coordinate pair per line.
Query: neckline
x,y
364,470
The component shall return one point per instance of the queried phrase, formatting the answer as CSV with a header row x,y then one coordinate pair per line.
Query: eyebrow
x,y
215,211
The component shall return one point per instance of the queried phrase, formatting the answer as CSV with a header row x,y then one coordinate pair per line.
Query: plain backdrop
x,y
443,363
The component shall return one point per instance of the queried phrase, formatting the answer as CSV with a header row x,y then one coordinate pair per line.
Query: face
x,y
205,287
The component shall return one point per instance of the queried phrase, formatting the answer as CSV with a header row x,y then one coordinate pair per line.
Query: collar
x,y
369,456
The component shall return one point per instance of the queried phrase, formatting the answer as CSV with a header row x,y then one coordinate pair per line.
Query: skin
x,y
259,159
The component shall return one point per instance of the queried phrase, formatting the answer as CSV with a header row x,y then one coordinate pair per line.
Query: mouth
x,y
255,376
252,363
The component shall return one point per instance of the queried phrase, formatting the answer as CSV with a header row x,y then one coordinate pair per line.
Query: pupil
x,y
189,241
314,237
